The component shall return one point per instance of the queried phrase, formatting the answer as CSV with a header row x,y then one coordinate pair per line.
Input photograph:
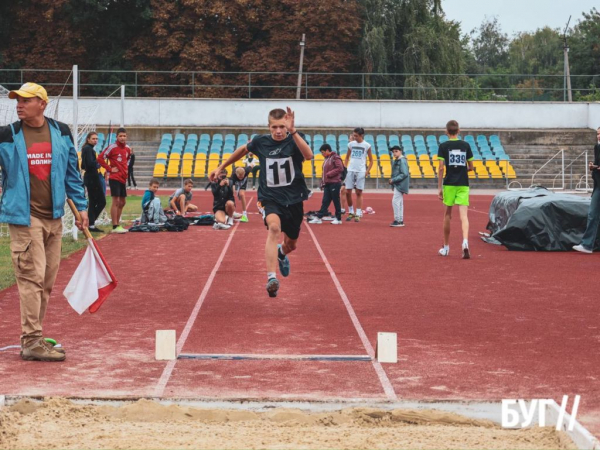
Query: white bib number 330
x,y
280,172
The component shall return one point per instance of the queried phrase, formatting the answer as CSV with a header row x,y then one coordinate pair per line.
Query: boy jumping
x,y
457,157
281,188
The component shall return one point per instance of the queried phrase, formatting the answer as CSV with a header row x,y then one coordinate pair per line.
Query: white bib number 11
x,y
280,172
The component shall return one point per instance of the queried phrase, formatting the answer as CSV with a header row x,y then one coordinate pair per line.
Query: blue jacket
x,y
400,175
65,179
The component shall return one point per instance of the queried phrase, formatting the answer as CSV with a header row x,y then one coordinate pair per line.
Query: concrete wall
x,y
594,116
151,112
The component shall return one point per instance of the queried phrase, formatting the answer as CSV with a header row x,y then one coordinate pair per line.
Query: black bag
x,y
178,223
145,228
206,220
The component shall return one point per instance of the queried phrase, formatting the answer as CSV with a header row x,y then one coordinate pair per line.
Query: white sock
x,y
465,243
271,275
351,209
446,247
244,213
359,212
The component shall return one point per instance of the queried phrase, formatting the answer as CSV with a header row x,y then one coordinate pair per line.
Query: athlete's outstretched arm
x,y
239,153
301,143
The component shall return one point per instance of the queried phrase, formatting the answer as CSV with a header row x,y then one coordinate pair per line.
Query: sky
x,y
516,16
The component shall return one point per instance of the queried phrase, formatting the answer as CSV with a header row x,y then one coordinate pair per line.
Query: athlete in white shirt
x,y
356,162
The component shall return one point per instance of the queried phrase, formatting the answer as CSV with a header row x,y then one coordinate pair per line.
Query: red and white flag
x,y
92,282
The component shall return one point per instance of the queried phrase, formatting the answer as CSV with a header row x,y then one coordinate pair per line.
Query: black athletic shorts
x,y
117,189
291,216
221,206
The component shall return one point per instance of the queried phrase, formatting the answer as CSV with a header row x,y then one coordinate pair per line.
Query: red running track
x,y
501,325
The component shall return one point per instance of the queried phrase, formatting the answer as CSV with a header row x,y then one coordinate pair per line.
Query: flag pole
x,y
86,232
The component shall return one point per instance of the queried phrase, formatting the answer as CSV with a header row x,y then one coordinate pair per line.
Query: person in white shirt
x,y
356,162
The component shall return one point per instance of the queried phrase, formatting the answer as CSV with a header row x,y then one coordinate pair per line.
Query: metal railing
x,y
205,84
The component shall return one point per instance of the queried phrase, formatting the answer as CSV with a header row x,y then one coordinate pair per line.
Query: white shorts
x,y
355,180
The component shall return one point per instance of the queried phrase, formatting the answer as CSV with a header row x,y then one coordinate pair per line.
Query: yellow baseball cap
x,y
29,90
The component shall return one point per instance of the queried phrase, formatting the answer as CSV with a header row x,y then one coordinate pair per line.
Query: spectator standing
x,y
39,171
591,230
399,181
331,184
92,180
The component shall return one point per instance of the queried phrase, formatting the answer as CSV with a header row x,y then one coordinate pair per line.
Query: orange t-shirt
x,y
39,161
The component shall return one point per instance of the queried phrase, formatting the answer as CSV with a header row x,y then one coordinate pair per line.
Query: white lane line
x,y
383,378
166,375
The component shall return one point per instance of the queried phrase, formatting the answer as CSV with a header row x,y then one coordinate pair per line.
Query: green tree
x,y
490,45
584,56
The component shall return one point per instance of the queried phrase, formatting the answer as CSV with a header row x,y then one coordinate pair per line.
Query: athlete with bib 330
x,y
281,189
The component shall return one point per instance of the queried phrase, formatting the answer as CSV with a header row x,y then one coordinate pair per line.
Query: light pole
x,y
302,45
567,81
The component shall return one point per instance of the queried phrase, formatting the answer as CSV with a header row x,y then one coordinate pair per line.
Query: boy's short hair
x,y
240,169
396,147
188,181
325,147
121,130
452,127
276,114
360,130
153,181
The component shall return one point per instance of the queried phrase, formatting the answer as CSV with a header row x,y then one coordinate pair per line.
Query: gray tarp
x,y
538,219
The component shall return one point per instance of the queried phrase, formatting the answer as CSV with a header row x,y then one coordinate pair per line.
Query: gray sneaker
x,y
40,350
272,287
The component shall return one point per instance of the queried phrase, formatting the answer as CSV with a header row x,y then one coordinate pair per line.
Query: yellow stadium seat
x,y
507,169
159,170
161,155
414,170
186,167
188,156
307,169
494,170
318,164
213,162
374,172
200,166
173,167
411,157
424,157
386,168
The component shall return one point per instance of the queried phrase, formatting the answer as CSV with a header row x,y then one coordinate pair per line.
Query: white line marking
x,y
166,375
480,212
383,378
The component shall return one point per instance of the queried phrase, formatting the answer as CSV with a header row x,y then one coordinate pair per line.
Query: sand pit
x,y
59,423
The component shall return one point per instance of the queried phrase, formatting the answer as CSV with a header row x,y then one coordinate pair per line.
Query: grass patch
x,y
131,211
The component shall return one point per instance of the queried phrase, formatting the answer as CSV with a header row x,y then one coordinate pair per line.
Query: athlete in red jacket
x,y
118,155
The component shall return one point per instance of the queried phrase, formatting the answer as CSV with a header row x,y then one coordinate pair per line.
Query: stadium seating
x,y
197,155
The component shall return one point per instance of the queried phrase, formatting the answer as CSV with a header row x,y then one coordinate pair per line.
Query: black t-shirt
x,y
456,154
236,182
281,179
221,194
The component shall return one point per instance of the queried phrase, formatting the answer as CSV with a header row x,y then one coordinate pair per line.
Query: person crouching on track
x,y
224,201
180,200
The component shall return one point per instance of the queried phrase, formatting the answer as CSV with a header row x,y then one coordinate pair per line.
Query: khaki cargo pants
x,y
36,256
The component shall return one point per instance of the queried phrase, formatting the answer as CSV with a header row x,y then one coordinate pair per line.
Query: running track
x,y
501,325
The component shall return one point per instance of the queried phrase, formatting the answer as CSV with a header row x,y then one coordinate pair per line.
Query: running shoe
x,y
244,219
350,217
95,229
336,222
397,223
237,215
272,287
315,220
221,226
357,218
465,251
328,218
581,248
284,264
444,251
119,230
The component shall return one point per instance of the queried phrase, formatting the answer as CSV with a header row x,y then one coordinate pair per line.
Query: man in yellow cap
x,y
39,170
